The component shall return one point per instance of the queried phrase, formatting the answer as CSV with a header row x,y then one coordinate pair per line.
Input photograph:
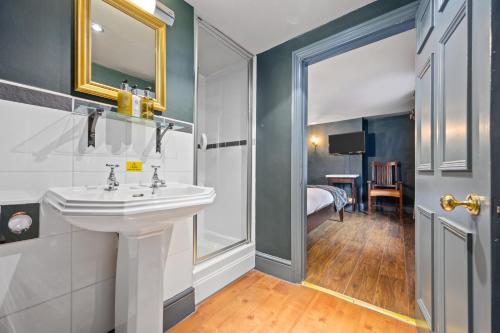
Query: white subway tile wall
x,y
48,317
95,302
178,276
33,272
93,257
64,281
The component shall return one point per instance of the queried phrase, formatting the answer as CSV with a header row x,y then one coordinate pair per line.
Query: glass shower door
x,y
222,129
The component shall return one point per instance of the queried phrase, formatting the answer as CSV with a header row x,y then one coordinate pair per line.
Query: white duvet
x,y
317,199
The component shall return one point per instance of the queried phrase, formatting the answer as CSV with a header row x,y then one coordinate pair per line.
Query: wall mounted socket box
x,y
19,222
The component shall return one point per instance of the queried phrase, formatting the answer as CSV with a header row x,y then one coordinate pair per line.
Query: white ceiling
x,y
259,25
126,45
376,79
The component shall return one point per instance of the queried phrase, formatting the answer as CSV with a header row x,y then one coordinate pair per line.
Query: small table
x,y
345,179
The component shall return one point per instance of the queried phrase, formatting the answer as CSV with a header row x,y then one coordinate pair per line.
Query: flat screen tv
x,y
347,143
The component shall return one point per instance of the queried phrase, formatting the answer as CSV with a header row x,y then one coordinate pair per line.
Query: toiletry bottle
x,y
124,99
136,102
148,105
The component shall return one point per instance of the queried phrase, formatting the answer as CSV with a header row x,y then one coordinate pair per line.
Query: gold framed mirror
x,y
116,40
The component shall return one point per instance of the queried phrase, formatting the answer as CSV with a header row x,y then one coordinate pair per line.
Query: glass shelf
x,y
94,111
86,108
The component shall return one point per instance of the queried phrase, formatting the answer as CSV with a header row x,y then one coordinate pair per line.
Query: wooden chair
x,y
385,183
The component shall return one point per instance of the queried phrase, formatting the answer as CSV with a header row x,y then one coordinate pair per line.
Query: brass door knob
x,y
472,203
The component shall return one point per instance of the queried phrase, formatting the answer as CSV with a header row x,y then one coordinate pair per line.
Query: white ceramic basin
x,y
144,221
130,210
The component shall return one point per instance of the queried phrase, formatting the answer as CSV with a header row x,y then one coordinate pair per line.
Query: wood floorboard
x,y
391,294
338,272
393,261
364,278
326,250
368,257
242,307
263,304
409,238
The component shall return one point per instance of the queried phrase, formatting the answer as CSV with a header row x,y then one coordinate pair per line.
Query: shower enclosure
x,y
223,149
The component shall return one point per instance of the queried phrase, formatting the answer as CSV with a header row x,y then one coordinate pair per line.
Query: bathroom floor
x,y
261,303
368,257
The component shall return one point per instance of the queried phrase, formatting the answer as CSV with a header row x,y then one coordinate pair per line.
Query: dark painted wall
x,y
393,139
35,39
320,162
389,138
36,43
274,73
114,78
180,62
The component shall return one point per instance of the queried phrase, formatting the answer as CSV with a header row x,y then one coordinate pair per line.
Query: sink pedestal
x,y
144,221
139,283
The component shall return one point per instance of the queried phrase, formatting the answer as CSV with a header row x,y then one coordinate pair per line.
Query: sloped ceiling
x,y
377,79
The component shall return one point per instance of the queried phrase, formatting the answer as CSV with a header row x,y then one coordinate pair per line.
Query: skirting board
x,y
214,274
278,267
177,308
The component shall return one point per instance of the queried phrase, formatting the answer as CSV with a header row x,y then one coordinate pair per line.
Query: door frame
x,y
495,160
389,24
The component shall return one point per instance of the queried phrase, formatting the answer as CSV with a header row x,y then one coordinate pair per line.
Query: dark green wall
x,y
36,44
388,138
180,62
320,162
393,139
274,73
35,39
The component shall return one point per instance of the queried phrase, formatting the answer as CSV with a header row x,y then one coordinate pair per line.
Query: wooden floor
x,y
367,257
263,304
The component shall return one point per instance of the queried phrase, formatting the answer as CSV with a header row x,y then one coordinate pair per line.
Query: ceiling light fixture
x,y
97,27
147,5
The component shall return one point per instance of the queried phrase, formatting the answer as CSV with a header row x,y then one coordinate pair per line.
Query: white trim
x,y
252,144
214,274
218,237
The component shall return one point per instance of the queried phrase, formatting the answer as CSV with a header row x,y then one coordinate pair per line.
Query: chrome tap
x,y
111,183
156,182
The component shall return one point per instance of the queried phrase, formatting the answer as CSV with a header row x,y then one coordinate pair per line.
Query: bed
x,y
323,201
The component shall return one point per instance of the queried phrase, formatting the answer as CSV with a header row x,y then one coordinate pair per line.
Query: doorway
x,y
360,174
453,214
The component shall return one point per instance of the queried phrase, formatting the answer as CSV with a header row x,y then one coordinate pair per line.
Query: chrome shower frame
x,y
199,22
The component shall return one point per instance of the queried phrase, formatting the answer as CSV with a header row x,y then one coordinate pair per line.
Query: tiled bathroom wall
x,y
63,281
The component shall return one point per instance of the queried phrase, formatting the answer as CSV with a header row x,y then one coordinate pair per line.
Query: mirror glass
x,y
122,48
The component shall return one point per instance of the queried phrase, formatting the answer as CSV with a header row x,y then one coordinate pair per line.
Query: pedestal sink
x,y
142,219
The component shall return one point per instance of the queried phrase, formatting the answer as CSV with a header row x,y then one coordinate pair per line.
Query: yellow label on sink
x,y
134,166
